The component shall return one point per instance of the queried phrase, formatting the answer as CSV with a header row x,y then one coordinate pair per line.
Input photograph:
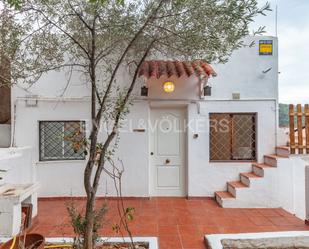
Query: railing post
x,y
292,129
307,127
300,129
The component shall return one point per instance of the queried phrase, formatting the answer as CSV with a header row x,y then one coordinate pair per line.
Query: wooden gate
x,y
299,129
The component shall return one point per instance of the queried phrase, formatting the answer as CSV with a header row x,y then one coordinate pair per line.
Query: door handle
x,y
151,153
167,161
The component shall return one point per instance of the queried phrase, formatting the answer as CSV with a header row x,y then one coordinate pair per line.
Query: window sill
x,y
60,161
235,161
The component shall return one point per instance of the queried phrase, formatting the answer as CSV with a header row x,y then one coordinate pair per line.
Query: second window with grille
x,y
232,136
62,140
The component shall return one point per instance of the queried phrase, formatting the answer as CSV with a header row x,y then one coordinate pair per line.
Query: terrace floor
x,y
179,223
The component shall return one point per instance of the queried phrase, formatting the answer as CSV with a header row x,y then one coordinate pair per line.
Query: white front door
x,y
167,152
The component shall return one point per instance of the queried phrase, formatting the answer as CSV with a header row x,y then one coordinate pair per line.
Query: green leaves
x,y
15,3
104,2
79,222
130,213
183,29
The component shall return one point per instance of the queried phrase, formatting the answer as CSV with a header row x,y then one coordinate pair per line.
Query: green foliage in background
x,y
284,116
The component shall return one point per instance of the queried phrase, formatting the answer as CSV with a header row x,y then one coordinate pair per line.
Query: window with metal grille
x,y
232,136
62,140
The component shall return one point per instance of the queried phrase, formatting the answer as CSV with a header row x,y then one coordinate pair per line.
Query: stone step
x,y
238,193
259,168
220,196
283,151
246,178
233,186
271,160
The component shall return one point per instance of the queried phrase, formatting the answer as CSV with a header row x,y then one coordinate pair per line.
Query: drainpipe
x,y
13,123
276,110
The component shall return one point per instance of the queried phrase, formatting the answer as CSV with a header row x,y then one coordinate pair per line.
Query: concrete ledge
x,y
84,198
153,241
214,241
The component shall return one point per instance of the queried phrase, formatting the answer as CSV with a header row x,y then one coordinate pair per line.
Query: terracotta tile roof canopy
x,y
158,68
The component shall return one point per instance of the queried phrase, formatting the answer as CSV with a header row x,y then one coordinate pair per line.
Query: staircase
x,y
252,189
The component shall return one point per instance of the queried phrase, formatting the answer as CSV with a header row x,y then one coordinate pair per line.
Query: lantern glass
x,y
207,91
144,91
168,87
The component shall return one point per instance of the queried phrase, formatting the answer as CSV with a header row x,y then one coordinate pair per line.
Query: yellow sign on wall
x,y
266,47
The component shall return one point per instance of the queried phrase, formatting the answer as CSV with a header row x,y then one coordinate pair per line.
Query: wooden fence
x,y
299,129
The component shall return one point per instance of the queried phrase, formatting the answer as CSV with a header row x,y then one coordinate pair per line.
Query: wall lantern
x,y
144,91
168,87
207,90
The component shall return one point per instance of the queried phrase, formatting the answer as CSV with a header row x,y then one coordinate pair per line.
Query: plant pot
x,y
32,241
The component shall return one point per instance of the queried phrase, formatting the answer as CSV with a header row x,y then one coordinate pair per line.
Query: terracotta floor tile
x,y
147,219
243,221
204,220
252,212
280,221
170,242
168,230
270,228
190,229
210,229
225,221
192,241
284,213
185,220
232,212
167,219
295,221
292,228
260,221
148,230
268,212
179,223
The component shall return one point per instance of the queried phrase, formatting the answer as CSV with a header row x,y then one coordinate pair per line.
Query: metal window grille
x,y
62,140
232,136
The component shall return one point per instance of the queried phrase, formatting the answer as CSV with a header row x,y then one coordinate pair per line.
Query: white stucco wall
x,y
65,178
16,166
207,177
243,74
290,187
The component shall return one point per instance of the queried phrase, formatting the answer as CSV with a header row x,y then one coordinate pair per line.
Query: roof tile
x,y
158,68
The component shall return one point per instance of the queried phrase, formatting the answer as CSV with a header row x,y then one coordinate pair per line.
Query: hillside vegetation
x,y
284,115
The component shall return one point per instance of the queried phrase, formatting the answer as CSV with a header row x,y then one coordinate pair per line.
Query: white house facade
x,y
193,160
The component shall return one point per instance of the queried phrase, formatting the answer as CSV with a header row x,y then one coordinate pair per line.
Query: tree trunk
x,y
88,240
91,189
89,213
91,192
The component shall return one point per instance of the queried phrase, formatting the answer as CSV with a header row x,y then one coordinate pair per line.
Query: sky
x,y
293,36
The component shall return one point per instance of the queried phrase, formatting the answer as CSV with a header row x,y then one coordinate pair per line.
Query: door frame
x,y
163,106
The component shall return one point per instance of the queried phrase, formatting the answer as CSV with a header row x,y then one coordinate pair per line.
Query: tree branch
x,y
79,15
63,31
149,19
96,122
117,119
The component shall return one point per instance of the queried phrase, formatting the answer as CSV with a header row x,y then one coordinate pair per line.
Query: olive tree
x,y
100,37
